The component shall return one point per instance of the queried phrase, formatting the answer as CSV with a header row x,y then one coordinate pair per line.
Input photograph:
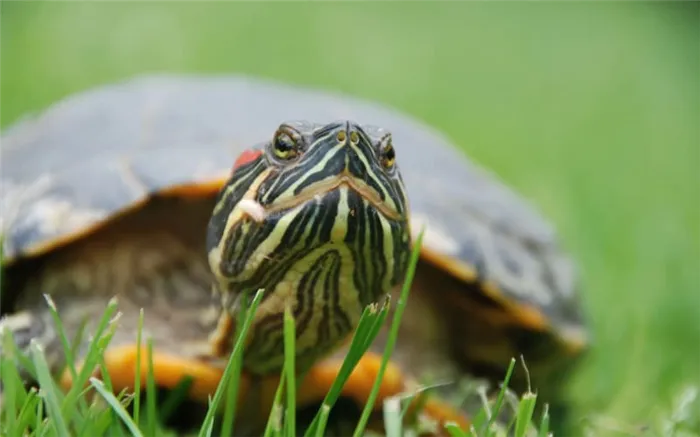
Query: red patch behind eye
x,y
246,157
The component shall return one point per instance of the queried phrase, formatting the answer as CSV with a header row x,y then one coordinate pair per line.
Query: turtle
x,y
180,194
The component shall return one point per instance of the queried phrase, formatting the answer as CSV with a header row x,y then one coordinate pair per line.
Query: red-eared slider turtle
x,y
128,190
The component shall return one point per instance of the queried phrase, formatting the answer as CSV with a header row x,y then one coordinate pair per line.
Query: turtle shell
x,y
101,152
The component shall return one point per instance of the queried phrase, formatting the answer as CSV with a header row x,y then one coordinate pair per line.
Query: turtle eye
x,y
388,155
285,146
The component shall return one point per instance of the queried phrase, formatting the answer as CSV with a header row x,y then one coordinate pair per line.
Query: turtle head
x,y
318,218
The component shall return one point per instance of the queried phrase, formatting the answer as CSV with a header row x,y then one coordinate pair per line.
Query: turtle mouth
x,y
317,192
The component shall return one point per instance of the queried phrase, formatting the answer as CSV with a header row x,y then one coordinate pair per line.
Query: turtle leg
x,y
171,366
317,382
37,325
395,382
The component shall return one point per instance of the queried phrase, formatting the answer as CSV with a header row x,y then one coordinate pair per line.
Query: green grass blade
x,y
102,344
151,392
237,350
324,412
393,334
39,425
137,370
99,420
92,355
501,395
417,397
25,362
69,359
526,409
544,423
366,331
11,382
117,407
27,412
378,321
99,344
207,427
392,417
273,421
106,378
454,430
48,389
289,356
62,336
229,415
71,416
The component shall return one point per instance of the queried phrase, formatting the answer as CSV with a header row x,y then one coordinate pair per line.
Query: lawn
x,y
589,109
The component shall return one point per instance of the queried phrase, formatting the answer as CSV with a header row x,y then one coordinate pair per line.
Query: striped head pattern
x,y
318,218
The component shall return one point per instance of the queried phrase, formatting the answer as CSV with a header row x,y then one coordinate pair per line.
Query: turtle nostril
x,y
354,137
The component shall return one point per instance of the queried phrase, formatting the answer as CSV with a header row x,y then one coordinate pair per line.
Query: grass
x,y
586,108
97,410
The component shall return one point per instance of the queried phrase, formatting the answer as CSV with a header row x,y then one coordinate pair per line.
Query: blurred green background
x,y
590,109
